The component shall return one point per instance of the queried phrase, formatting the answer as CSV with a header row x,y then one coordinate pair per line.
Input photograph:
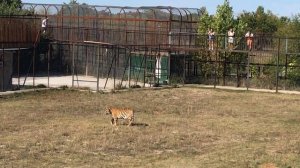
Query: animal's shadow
x,y
135,124
140,124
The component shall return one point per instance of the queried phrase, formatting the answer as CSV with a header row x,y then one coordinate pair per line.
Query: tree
x,y
73,2
260,21
265,22
9,7
241,26
249,19
13,7
205,21
12,3
291,28
223,19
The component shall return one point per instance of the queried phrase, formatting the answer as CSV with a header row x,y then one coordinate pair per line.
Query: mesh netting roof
x,y
147,12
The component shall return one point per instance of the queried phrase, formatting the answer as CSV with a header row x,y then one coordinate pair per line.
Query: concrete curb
x,y
243,89
23,91
157,88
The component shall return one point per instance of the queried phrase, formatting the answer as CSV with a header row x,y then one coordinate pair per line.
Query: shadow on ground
x,y
140,124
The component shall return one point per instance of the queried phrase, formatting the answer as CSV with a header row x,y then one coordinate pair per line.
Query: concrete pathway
x,y
91,83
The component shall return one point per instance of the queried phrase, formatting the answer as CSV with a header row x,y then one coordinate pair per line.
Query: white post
x,y
158,67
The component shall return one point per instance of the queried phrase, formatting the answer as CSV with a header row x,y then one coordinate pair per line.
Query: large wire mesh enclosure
x,y
117,25
116,47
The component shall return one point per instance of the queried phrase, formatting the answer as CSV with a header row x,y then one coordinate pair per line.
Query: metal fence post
x,y
98,66
73,63
277,66
129,68
248,71
33,66
2,88
216,63
48,54
19,50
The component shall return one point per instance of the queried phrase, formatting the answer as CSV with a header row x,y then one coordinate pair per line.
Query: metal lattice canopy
x,y
144,12
117,25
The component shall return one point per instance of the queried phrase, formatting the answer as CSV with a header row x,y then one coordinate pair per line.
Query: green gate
x,y
156,70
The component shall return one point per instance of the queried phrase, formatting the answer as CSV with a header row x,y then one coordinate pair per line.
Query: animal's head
x,y
107,110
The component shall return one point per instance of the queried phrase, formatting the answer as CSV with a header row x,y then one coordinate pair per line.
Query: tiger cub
x,y
120,113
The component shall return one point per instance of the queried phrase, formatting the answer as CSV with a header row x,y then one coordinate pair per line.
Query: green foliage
x,y
260,21
293,73
73,2
8,7
266,22
205,22
12,7
223,19
220,23
12,3
241,27
289,27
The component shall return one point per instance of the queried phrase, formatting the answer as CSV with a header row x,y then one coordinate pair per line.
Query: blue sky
x,y
278,7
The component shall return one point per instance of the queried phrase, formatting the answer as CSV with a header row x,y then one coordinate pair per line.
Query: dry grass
x,y
182,127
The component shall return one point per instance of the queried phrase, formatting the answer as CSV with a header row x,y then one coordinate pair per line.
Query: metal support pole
x,y
248,71
102,61
215,67
169,59
115,66
73,63
237,73
33,66
19,67
112,62
224,69
98,67
169,69
129,68
48,64
159,64
145,68
2,88
286,44
126,67
184,64
286,62
86,61
60,57
277,66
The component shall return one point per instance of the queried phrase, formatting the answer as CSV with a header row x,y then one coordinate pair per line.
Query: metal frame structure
x,y
117,25
105,41
137,28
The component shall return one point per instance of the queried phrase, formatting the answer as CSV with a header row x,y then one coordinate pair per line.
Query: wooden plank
x,y
98,42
